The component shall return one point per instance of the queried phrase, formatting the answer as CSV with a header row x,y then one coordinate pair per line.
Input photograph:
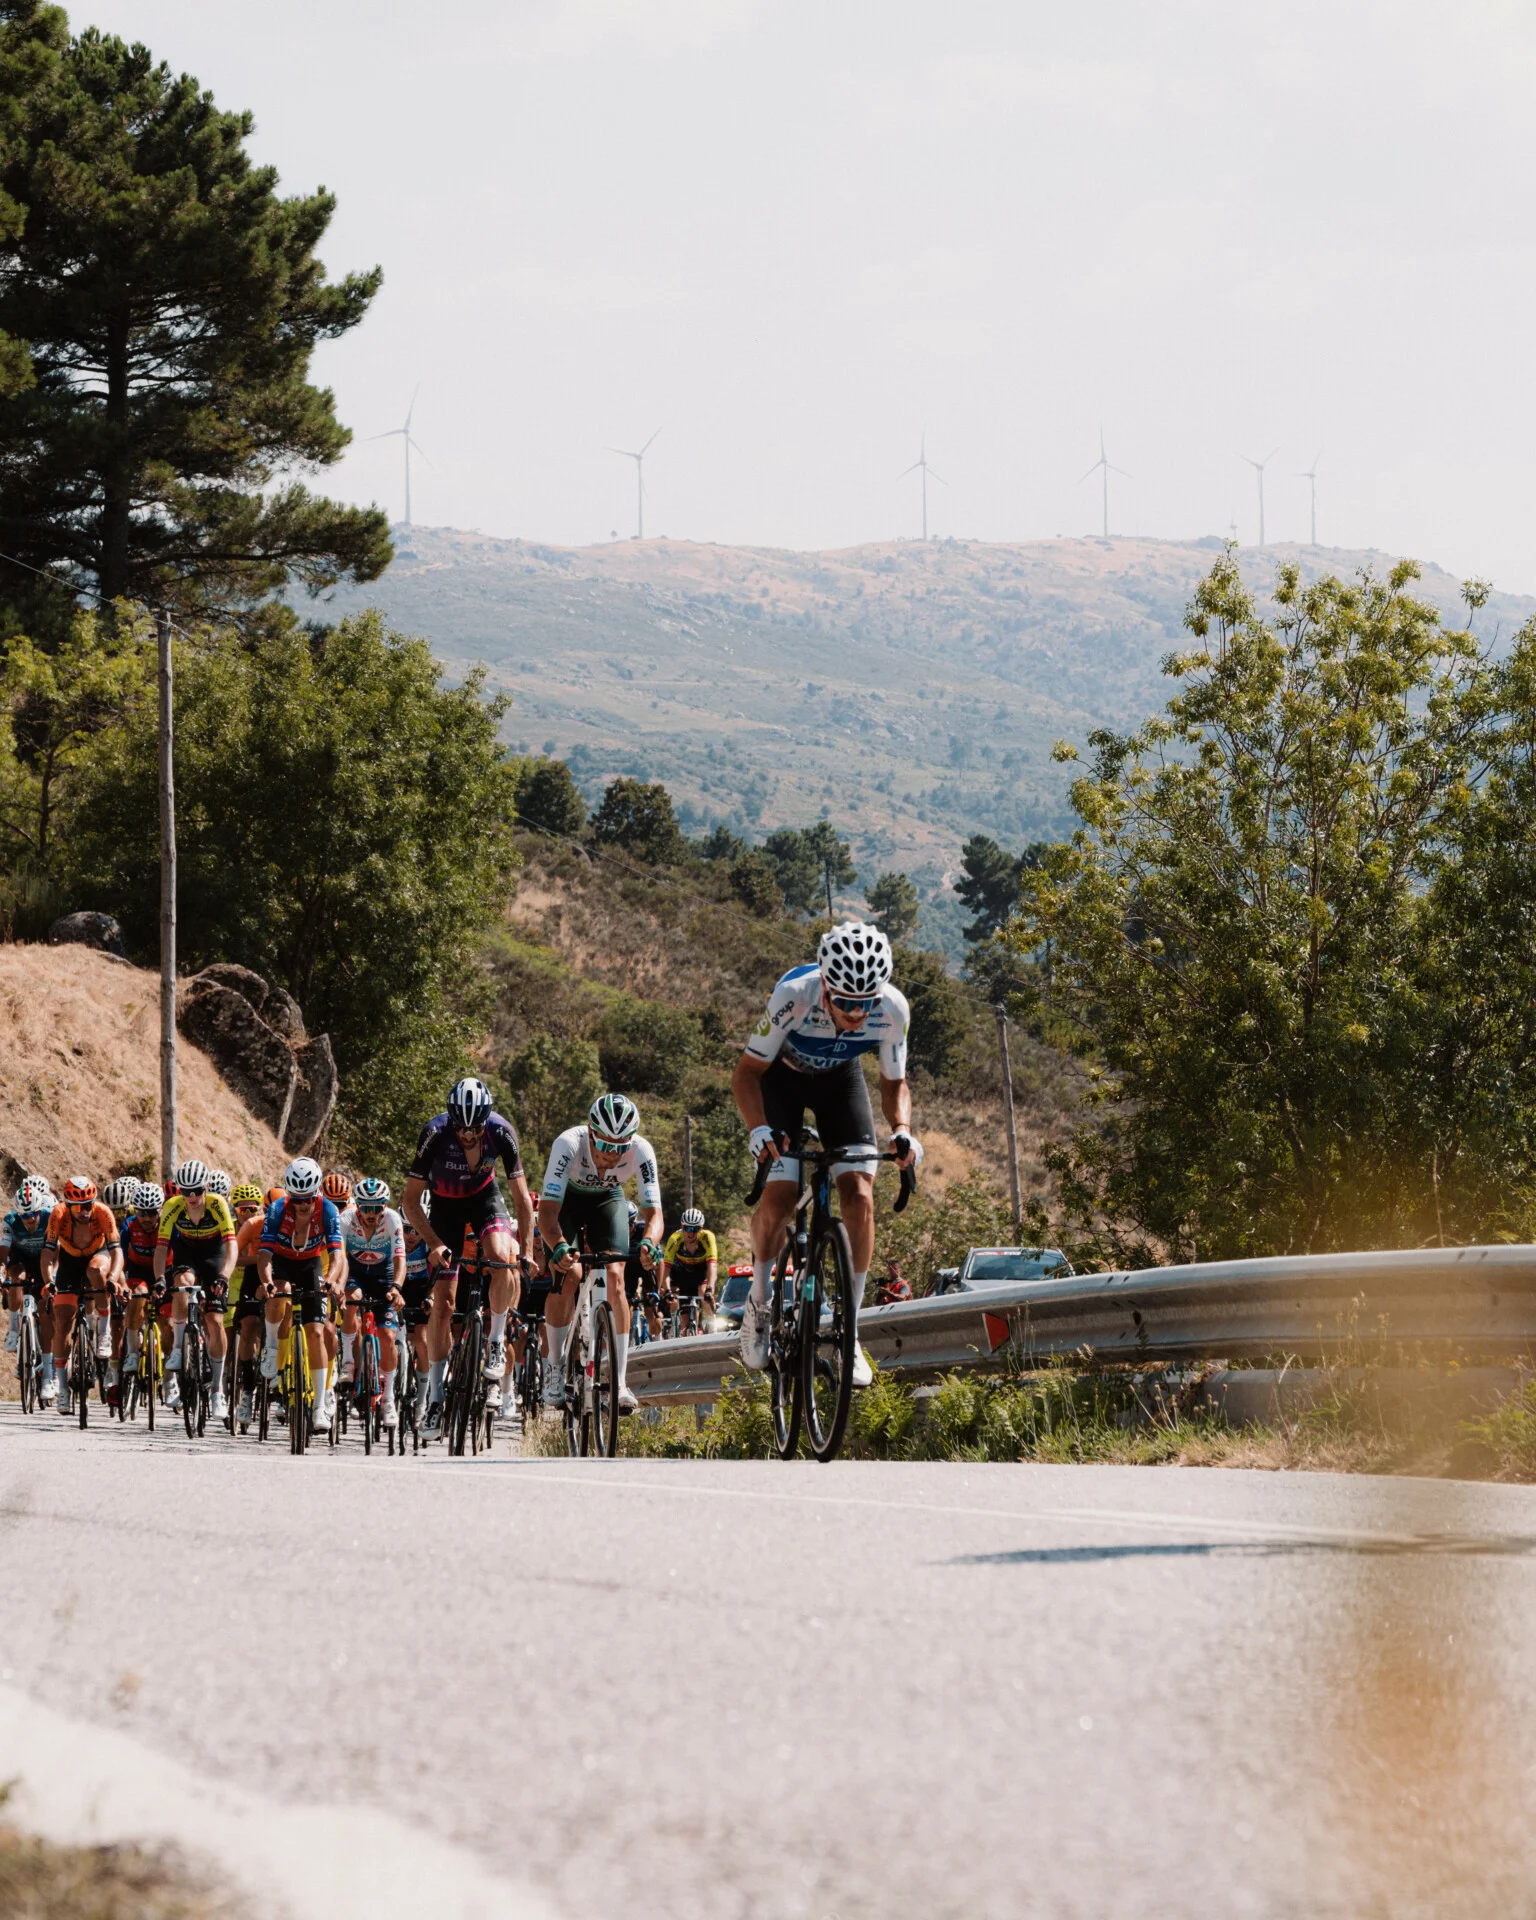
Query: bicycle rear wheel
x,y
826,1342
192,1381
83,1367
605,1383
150,1362
263,1406
368,1389
575,1395
784,1384
461,1386
298,1391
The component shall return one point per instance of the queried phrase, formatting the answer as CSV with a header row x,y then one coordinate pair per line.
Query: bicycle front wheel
x,y
784,1387
461,1385
192,1382
85,1373
26,1362
575,1395
151,1365
605,1383
826,1342
368,1390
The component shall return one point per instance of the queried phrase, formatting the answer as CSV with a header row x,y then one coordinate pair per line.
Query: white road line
x,y
82,1784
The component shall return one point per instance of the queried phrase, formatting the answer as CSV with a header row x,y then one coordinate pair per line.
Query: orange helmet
x,y
79,1191
337,1187
276,1193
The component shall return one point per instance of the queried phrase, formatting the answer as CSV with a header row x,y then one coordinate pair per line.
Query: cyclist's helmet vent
x,y
614,1116
219,1183
302,1180
855,958
34,1194
149,1198
372,1193
247,1194
79,1190
693,1220
121,1193
191,1174
469,1104
337,1187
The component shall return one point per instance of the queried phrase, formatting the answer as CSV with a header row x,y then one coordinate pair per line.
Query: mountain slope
x,y
911,690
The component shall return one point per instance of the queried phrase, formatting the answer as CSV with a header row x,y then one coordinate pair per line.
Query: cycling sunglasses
x,y
845,1003
193,1193
600,1145
369,1206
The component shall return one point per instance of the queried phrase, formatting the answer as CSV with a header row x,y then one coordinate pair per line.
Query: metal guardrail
x,y
1472,1303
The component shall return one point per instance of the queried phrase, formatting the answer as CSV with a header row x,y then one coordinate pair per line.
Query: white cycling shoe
x,y
495,1360
218,1406
245,1412
66,1399
269,1363
13,1337
627,1401
756,1324
493,1394
172,1389
50,1391
389,1417
554,1392
863,1372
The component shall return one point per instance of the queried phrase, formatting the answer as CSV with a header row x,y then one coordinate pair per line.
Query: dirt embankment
x,y
80,1076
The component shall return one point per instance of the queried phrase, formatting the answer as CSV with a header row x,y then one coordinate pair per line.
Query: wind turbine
x,y
1258,467
1103,461
1311,476
405,434
639,460
920,465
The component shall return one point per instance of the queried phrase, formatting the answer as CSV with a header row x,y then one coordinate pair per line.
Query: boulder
x,y
248,984
282,1015
257,1064
314,1097
97,930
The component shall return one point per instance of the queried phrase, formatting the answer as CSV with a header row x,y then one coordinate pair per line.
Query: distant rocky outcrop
x,y
254,1033
97,930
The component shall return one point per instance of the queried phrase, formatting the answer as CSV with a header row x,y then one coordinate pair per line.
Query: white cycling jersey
x,y
798,1026
372,1253
571,1165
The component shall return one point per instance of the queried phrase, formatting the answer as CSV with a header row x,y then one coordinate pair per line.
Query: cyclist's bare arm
x,y
416,1213
549,1231
747,1090
522,1206
896,1105
711,1270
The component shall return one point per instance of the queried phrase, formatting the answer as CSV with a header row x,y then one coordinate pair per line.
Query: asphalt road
x,y
748,1689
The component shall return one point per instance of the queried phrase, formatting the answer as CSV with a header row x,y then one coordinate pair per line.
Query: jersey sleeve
x,y
784,1008
272,1229
6,1226
508,1147
421,1166
330,1221
397,1239
562,1157
707,1242
225,1219
169,1214
56,1223
893,1045
647,1185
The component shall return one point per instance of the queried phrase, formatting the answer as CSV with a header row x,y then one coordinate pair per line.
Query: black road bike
x,y
811,1319
592,1366
196,1385
29,1355
467,1420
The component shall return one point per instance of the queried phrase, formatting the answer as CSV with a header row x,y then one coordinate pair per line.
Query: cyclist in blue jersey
x,y
375,1242
300,1224
805,1053
21,1252
455,1164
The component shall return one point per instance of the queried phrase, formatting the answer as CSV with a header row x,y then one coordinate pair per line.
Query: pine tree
x,y
168,301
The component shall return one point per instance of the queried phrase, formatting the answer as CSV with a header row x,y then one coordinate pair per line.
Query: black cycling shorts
x,y
205,1264
375,1300
26,1270
73,1277
839,1104
478,1212
418,1298
688,1284
597,1222
249,1304
534,1299
311,1303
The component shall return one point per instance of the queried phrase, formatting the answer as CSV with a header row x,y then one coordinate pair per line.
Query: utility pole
x,y
167,909
687,1159
1013,1131
826,874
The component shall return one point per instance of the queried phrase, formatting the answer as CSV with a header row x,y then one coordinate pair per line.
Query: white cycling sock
x,y
346,1350
498,1326
436,1374
558,1340
103,1334
317,1379
860,1282
131,1342
15,1320
48,1366
387,1387
762,1273
269,1332
621,1355
179,1334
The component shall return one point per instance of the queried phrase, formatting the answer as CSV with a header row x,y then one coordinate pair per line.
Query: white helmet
x,y
149,1198
692,1220
613,1116
302,1180
219,1183
191,1177
855,958
34,1194
121,1193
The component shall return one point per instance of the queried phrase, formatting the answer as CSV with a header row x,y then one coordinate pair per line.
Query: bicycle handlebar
x,y
829,1154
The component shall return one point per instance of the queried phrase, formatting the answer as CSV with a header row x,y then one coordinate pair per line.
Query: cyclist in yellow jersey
x,y
197,1231
689,1266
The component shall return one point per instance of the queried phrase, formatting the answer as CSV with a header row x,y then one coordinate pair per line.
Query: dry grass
x,y
80,1074
40,1881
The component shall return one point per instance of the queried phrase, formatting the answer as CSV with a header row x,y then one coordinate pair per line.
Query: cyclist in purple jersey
x,y
455,1166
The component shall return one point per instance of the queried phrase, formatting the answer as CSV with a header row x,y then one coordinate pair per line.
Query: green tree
x,y
894,904
722,1167
345,827
169,302
551,1082
549,798
833,858
721,844
647,1047
795,867
756,885
939,1037
1238,929
990,885
639,818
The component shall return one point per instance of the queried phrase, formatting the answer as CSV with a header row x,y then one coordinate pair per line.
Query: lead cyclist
x,y
804,1053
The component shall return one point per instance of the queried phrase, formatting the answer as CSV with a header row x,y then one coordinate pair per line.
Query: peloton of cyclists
x,y
805,1053
582,1204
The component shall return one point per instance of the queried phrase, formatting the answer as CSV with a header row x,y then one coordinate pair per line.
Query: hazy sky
x,y
794,235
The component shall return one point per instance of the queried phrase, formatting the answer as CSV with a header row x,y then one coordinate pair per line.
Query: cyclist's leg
x,y
449,1218
386,1318
349,1324
785,1093
276,1320
498,1255
846,1123
215,1298
101,1305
